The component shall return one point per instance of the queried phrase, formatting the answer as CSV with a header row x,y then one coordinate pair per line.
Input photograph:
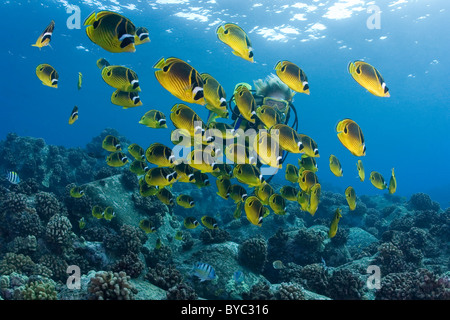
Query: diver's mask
x,y
282,106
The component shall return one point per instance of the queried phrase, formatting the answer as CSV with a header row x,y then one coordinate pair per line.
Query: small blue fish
x,y
238,276
204,271
13,177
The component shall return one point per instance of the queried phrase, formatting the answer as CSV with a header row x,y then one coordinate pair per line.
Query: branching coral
x,y
259,291
164,276
40,289
58,230
108,285
19,263
253,254
290,291
46,205
419,285
181,291
345,285
214,236
130,264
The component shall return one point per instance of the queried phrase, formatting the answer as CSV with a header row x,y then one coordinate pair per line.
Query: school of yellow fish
x,y
158,168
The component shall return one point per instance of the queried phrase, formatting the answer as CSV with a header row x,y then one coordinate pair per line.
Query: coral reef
x,y
421,284
43,230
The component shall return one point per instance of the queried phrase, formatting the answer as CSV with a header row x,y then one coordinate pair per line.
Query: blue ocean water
x,y
407,131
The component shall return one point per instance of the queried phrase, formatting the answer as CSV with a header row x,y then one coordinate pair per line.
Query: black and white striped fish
x,y
12,177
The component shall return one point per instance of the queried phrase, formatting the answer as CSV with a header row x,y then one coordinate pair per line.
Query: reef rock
x,y
358,239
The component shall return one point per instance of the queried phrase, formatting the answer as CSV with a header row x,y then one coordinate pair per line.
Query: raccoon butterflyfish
x,y
294,77
263,192
209,222
136,151
73,115
185,201
289,139
238,193
97,212
126,99
236,38
303,200
203,161
237,153
308,163
369,78
223,186
46,36
245,102
160,155
185,172
76,192
180,79
81,223
351,136
307,179
268,149
289,193
147,190
111,31
80,80
350,195
314,198
310,147
377,180
392,183
116,159
111,143
102,62
277,204
201,179
154,119
185,118
335,166
165,196
48,75
147,225
334,223
109,213
179,235
141,36
255,210
161,176
291,173
361,172
215,96
190,223
248,174
121,78
269,116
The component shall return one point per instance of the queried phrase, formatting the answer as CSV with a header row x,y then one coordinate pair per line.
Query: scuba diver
x,y
271,104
